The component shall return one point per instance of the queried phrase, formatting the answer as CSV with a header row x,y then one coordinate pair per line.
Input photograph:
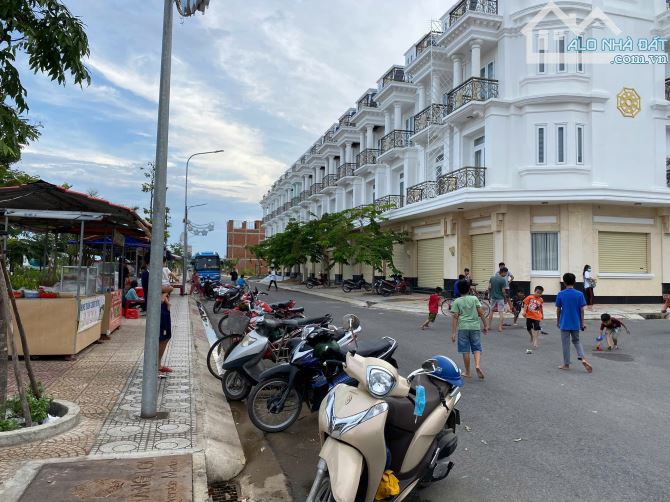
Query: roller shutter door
x,y
347,272
430,256
400,259
366,270
620,252
482,266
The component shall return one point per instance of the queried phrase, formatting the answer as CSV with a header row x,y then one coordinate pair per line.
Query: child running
x,y
517,306
534,313
609,329
433,307
466,314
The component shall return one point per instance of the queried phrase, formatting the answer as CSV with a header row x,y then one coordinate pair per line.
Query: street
x,y
534,432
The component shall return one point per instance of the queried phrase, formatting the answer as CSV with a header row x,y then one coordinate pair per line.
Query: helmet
x,y
327,350
447,371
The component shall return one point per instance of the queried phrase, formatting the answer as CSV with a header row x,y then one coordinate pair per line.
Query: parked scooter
x,y
322,280
271,337
387,287
275,403
387,423
226,298
349,285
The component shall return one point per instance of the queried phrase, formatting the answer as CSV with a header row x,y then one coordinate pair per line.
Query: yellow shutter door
x,y
482,265
620,252
430,263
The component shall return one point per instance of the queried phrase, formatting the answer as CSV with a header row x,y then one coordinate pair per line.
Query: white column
x,y
347,152
405,168
397,116
359,194
422,97
476,58
390,189
435,89
370,139
361,141
458,72
343,155
387,122
339,199
332,168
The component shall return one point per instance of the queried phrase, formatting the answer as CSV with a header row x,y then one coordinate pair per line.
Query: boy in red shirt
x,y
532,311
609,329
433,307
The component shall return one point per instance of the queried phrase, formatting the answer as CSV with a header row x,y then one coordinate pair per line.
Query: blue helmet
x,y
447,371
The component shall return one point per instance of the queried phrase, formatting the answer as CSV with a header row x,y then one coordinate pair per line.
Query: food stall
x,y
86,303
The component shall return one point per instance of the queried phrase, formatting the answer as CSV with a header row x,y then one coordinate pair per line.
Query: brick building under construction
x,y
241,234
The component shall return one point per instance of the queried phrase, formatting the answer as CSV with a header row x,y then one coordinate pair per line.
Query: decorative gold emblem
x,y
628,102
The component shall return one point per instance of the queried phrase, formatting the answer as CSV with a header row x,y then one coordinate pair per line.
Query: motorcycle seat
x,y
280,305
401,409
369,348
297,310
296,323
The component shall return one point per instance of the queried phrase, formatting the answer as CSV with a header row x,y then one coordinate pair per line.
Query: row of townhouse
x,y
503,138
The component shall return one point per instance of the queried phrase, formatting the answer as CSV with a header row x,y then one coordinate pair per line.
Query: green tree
x,y
149,172
54,42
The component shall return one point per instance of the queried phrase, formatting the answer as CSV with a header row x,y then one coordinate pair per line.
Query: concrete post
x,y
458,71
422,97
369,137
476,58
397,116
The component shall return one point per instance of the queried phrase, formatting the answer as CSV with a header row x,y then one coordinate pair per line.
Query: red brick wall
x,y
237,241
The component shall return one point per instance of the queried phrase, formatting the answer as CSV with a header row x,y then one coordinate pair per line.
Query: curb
x,y
358,303
224,456
41,432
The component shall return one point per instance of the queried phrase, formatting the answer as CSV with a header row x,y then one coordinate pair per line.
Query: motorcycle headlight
x,y
248,340
337,426
380,381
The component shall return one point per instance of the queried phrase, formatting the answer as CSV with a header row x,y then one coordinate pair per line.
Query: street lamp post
x,y
185,253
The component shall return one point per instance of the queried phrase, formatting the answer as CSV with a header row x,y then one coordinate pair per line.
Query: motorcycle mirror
x,y
429,365
350,322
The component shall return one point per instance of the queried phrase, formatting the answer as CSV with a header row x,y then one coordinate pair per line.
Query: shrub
x,y
8,424
30,278
39,408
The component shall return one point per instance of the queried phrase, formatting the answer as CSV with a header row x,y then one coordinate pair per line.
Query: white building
x,y
501,140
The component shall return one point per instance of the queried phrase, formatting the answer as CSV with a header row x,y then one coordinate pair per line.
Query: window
x,y
401,176
479,152
482,72
541,142
580,144
560,144
438,165
409,124
561,53
491,71
621,252
544,252
541,50
580,55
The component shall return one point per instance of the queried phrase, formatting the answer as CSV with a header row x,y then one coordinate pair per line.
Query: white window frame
x,y
564,127
551,273
541,51
537,144
579,149
580,55
561,66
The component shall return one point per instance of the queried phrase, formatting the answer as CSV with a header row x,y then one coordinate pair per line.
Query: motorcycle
x,y
226,298
399,284
276,401
209,287
252,307
349,285
322,280
388,435
271,340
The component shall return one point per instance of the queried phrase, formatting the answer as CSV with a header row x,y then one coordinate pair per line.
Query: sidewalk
x,y
417,303
112,452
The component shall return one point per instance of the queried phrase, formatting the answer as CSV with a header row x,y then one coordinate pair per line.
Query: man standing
x,y
570,305
497,293
273,279
233,275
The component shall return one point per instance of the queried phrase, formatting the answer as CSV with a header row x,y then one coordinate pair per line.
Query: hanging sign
x,y
91,310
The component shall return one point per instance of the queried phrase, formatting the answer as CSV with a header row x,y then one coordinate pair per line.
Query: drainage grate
x,y
223,491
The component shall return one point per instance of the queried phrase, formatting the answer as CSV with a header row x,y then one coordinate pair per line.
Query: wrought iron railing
x,y
367,101
346,169
473,89
483,6
465,177
422,191
395,139
329,180
347,122
316,188
395,74
304,195
433,114
328,137
314,149
367,156
430,40
295,201
389,202
667,86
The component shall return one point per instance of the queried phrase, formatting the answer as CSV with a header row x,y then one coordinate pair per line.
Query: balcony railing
x,y
329,180
344,170
429,116
483,6
295,201
304,195
473,89
395,74
389,202
316,188
667,86
347,122
395,139
430,40
314,149
422,191
465,177
367,101
367,156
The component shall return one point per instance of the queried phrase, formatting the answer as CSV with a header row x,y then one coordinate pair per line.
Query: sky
x,y
261,79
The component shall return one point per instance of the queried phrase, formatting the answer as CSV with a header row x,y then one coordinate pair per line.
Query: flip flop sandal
x,y
588,367
480,373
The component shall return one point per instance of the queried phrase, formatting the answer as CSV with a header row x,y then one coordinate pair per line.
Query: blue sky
x,y
260,79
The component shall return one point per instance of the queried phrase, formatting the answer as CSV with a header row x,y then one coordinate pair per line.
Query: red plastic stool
x,y
132,314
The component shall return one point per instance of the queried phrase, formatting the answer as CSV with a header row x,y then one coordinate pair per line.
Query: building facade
x,y
505,137
241,234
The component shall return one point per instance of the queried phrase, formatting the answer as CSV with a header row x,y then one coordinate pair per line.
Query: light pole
x,y
186,207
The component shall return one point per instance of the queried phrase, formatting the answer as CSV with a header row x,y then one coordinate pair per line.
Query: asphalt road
x,y
536,432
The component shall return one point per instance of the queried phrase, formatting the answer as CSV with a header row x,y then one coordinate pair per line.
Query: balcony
x,y
467,6
422,191
346,121
389,202
667,87
430,40
346,169
465,177
366,157
286,207
395,74
395,139
316,188
295,201
329,180
473,89
304,195
314,149
367,101
432,115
